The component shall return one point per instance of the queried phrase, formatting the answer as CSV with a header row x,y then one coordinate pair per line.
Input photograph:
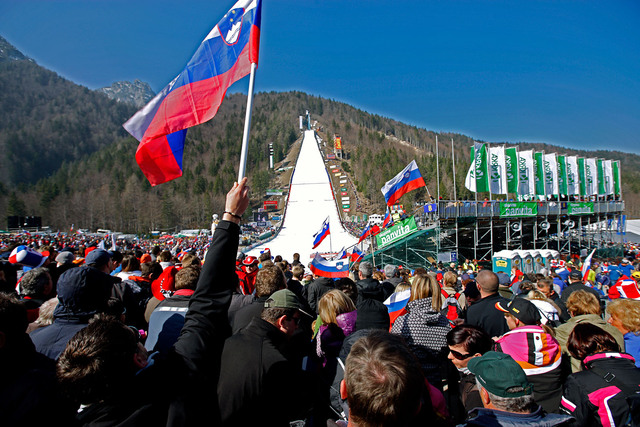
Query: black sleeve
x,y
206,325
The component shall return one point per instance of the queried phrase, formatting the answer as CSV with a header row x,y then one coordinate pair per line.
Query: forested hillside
x,y
67,158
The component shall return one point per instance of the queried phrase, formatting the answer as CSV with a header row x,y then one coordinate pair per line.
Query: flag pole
x,y
453,161
437,169
247,125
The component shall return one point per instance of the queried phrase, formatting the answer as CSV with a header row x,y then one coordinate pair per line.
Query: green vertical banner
x,y
511,157
600,175
616,177
478,175
582,175
562,175
538,164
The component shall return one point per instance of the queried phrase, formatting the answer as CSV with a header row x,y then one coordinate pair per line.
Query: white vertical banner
x,y
573,179
608,177
550,167
591,175
497,170
526,173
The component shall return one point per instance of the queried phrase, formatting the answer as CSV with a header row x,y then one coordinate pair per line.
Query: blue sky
x,y
560,72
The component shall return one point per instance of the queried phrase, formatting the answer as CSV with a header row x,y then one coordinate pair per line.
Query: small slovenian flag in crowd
x,y
343,254
320,235
388,221
407,180
587,265
397,303
332,269
356,255
365,233
194,96
624,288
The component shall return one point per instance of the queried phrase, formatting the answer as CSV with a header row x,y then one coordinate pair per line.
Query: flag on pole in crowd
x,y
322,234
587,265
365,233
511,162
550,164
388,221
332,269
573,178
114,247
194,96
397,303
539,170
526,173
590,174
342,254
562,175
608,177
497,170
600,177
356,255
477,175
407,180
582,176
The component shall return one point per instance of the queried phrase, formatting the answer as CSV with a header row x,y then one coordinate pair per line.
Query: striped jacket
x,y
540,356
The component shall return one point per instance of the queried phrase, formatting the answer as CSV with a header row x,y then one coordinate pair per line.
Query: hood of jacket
x,y
83,292
420,310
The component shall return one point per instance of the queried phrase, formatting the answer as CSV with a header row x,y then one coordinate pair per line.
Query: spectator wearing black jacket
x,y
483,313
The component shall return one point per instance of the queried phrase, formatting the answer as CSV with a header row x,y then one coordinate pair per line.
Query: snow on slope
x,y
310,202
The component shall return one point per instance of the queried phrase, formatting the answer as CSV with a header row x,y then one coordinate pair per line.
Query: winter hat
x,y
250,260
98,257
27,257
65,258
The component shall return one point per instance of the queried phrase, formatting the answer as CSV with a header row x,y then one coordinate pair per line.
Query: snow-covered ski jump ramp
x,y
309,203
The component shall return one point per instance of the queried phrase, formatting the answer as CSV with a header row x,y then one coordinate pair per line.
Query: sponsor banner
x,y
616,177
338,143
275,192
579,208
270,204
538,164
331,156
346,206
343,181
344,193
526,173
562,175
399,231
334,170
497,170
518,209
343,189
477,179
346,210
511,158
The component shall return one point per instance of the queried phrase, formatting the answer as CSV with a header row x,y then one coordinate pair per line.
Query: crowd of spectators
x,y
206,335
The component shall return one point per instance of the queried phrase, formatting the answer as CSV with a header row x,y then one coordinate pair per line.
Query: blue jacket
x,y
82,293
493,417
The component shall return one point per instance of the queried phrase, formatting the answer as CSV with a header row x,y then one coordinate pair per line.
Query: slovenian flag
x,y
320,235
356,255
388,221
587,265
407,180
332,269
397,303
194,96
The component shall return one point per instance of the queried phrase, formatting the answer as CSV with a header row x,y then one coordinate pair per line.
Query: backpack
x,y
632,396
451,307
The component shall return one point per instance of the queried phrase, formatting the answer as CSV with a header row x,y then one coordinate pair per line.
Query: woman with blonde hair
x,y
337,314
625,317
424,328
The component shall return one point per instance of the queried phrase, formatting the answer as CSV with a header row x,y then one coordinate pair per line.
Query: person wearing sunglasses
x,y
466,342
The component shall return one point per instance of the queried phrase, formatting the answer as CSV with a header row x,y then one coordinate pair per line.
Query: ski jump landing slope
x,y
310,202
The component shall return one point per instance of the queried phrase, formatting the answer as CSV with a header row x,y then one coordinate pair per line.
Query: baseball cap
x,y
284,298
522,309
65,257
624,261
98,257
575,275
499,374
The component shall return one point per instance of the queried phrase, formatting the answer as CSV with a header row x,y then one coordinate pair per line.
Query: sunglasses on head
x,y
460,356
